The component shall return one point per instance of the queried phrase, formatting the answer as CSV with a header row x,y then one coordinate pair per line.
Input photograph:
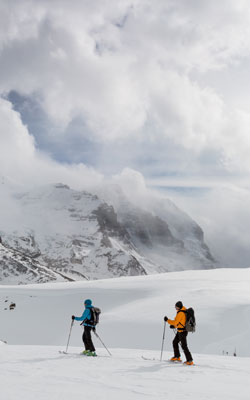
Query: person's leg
x,y
183,339
84,339
88,339
176,345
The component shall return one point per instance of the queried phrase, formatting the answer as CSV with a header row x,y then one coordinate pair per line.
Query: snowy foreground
x,y
40,372
31,366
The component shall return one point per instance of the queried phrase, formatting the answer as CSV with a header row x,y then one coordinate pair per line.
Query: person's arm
x,y
175,321
84,316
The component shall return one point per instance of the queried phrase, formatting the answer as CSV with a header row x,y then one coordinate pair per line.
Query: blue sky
x,y
159,88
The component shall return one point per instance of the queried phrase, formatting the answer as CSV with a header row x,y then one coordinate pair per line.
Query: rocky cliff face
x,y
63,234
17,268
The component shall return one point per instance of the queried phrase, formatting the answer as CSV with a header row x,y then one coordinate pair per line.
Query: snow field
x,y
40,372
131,320
133,310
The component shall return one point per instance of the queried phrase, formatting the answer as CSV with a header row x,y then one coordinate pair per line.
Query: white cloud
x,y
132,182
223,214
21,163
123,64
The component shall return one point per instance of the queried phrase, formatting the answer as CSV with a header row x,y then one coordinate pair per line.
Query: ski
x,y
70,354
82,355
165,361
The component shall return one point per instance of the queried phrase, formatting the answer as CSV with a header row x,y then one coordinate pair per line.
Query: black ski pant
x,y
87,340
181,337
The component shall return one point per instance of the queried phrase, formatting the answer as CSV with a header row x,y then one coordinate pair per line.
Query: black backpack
x,y
95,314
190,320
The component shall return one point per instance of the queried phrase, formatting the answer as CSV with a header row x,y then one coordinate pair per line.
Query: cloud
x,y
128,65
22,164
132,182
223,214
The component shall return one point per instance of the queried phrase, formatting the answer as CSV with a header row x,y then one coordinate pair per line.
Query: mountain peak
x,y
76,235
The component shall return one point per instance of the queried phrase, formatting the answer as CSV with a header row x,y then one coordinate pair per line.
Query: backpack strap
x,y
185,312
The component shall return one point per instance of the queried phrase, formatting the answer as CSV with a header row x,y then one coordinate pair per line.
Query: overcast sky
x,y
96,88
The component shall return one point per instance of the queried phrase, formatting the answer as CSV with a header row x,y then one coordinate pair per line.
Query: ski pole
x,y
71,326
102,342
163,338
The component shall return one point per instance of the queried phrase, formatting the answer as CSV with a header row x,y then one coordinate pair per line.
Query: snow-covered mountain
x,y
16,266
56,233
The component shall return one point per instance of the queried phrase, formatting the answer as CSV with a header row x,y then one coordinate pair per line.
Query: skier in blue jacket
x,y
87,318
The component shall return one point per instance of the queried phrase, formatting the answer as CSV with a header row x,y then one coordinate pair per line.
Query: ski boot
x,y
188,363
85,352
91,354
175,359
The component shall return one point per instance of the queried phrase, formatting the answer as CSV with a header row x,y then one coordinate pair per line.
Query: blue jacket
x,y
86,315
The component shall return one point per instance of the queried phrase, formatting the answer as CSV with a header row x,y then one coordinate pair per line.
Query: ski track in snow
x,y
40,372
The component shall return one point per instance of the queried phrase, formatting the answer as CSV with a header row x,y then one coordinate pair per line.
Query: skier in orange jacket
x,y
181,336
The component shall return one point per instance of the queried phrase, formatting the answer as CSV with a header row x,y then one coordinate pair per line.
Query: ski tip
x,y
148,359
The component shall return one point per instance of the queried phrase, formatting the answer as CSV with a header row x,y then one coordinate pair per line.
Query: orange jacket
x,y
179,321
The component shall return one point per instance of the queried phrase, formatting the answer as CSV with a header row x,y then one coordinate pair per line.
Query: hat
x,y
179,304
88,302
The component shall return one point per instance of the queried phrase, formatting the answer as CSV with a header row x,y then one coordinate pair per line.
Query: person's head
x,y
178,305
88,303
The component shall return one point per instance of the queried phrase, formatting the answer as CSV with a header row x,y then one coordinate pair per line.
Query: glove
x,y
172,327
73,317
165,319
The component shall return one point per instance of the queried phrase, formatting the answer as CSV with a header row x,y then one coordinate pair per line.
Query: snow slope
x,y
131,326
133,310
33,372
